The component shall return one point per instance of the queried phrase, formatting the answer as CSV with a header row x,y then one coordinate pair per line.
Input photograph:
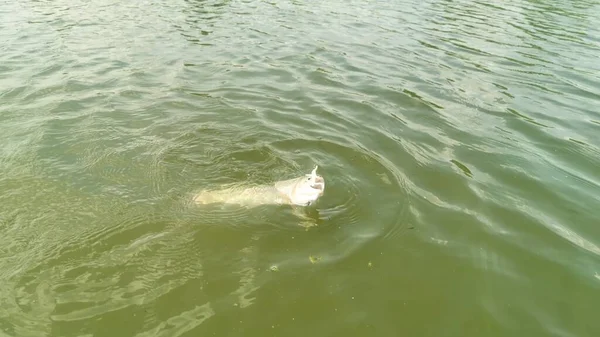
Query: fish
x,y
300,191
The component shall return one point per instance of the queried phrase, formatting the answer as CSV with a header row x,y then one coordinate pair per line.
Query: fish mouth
x,y
319,184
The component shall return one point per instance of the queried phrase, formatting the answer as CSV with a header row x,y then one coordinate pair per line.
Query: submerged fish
x,y
301,191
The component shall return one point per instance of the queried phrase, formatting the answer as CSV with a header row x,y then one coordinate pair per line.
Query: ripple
x,y
84,278
360,217
182,323
280,159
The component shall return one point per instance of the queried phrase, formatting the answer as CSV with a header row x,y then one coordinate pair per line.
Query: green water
x,y
458,140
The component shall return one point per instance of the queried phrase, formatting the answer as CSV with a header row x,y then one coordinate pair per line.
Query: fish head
x,y
307,189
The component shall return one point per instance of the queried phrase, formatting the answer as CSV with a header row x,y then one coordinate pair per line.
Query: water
x,y
459,142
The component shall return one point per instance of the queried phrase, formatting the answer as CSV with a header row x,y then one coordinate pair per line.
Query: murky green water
x,y
459,142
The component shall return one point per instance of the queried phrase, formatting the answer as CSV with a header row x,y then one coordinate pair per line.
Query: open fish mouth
x,y
319,184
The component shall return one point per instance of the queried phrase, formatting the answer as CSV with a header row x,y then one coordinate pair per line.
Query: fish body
x,y
300,191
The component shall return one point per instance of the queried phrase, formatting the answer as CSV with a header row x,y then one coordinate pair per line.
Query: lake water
x,y
459,141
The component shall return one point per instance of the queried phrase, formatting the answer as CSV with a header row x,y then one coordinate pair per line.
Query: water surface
x,y
459,141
